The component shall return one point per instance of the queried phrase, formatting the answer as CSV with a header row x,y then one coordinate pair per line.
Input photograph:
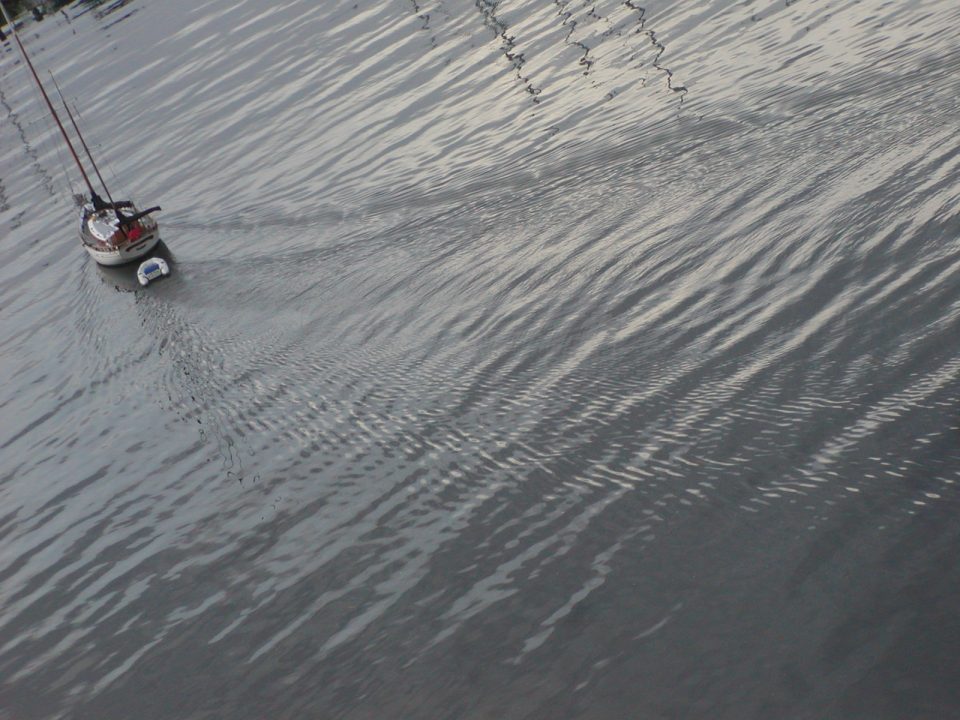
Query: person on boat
x,y
100,204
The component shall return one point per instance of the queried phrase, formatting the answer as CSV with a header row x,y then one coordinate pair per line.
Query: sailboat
x,y
112,232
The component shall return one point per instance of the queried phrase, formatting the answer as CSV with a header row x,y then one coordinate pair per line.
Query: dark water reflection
x,y
520,360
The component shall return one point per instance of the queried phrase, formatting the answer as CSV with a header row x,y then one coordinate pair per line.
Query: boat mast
x,y
43,92
82,141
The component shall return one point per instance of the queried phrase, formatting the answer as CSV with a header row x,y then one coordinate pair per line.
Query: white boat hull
x,y
126,254
107,245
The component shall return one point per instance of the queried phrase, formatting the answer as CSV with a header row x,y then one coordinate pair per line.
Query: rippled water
x,y
521,359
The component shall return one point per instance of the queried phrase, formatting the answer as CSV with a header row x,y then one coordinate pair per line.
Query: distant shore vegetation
x,y
17,7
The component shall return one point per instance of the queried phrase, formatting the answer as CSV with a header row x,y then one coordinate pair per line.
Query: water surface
x,y
521,359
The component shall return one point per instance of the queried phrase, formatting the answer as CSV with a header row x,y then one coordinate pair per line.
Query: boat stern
x,y
108,244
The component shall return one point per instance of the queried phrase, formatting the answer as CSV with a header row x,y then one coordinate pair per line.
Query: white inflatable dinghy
x,y
152,269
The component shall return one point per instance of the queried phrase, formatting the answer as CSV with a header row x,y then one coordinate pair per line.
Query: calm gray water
x,y
521,359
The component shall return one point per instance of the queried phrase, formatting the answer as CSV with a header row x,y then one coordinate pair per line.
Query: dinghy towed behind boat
x,y
112,233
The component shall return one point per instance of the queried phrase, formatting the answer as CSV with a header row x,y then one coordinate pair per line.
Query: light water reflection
x,y
521,359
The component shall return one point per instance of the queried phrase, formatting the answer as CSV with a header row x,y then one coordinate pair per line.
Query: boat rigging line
x,y
43,92
83,142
